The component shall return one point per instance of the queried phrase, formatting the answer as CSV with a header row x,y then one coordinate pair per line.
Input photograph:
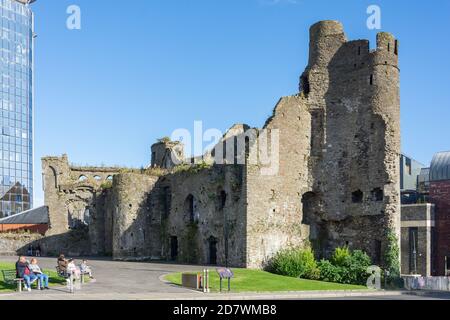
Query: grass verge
x,y
246,280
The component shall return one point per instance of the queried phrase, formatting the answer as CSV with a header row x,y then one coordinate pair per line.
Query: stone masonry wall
x,y
131,235
274,213
218,224
353,95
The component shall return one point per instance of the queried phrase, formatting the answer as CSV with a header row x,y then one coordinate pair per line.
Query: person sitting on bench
x,y
86,269
62,264
73,269
23,272
36,270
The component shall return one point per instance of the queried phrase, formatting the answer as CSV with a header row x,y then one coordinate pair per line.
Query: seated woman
x,y
23,272
73,269
36,270
86,269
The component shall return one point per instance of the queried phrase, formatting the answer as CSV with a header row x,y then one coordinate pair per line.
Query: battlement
x,y
326,28
329,45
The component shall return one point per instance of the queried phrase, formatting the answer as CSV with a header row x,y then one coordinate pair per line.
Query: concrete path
x,y
144,281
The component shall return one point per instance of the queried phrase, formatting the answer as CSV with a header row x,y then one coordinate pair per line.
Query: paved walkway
x,y
144,281
114,280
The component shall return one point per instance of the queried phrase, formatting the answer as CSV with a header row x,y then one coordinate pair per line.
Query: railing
x,y
427,283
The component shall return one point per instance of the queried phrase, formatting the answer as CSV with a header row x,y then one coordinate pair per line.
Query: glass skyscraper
x,y
16,106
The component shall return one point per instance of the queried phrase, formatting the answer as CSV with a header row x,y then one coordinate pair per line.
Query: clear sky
x,y
138,70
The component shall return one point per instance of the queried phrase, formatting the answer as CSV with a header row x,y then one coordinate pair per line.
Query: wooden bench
x,y
10,277
63,274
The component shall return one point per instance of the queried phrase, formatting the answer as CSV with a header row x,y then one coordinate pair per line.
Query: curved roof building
x,y
440,166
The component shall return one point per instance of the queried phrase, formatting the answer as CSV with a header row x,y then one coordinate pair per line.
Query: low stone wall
x,y
427,283
73,243
13,244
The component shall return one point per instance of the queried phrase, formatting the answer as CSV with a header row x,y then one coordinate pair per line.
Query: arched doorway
x,y
212,251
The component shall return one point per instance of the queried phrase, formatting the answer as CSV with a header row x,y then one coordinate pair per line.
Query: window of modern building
x,y
16,99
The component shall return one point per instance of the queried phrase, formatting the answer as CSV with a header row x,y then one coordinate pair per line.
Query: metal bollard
x,y
204,281
207,281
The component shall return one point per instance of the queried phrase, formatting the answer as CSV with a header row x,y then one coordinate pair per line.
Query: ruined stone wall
x,y
12,243
334,180
274,214
339,153
353,94
217,226
131,235
76,196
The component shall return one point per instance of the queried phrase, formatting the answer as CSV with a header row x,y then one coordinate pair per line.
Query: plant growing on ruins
x,y
189,242
164,140
106,185
340,256
392,255
297,262
196,168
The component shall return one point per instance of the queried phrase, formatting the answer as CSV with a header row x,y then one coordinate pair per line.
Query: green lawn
x,y
54,279
246,280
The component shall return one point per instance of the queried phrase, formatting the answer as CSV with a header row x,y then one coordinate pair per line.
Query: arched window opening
x,y
222,199
212,251
189,207
377,194
308,200
306,88
167,199
55,176
357,196
87,217
82,178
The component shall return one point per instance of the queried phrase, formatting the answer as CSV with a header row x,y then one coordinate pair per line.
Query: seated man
x,y
36,270
62,264
23,272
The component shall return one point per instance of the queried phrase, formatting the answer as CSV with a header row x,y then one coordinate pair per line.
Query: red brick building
x,y
440,196
33,221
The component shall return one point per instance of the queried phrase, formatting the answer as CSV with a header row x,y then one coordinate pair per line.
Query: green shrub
x,y
330,272
340,256
346,267
356,267
298,263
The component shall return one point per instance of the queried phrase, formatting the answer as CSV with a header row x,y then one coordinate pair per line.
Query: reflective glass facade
x,y
16,105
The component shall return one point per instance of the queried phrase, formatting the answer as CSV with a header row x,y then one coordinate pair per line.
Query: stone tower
x,y
353,96
167,154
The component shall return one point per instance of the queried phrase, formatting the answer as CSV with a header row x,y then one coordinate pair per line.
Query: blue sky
x,y
138,70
